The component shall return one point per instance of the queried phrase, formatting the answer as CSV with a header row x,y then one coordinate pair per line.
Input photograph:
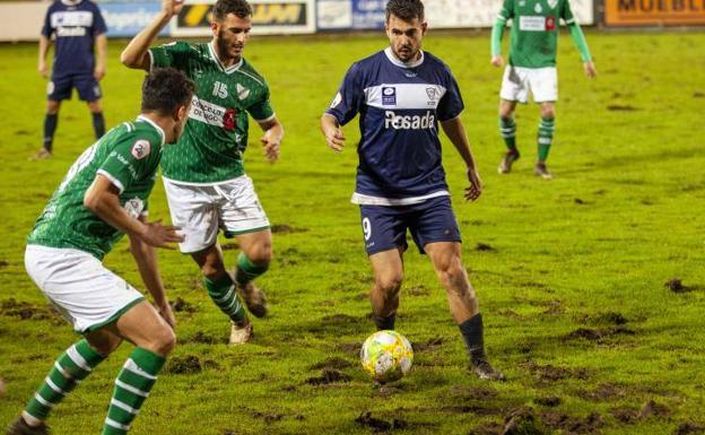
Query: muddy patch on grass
x,y
180,305
622,108
267,417
26,311
379,425
286,229
350,348
462,393
522,421
332,363
184,365
548,401
676,286
688,428
430,344
625,415
598,334
654,409
551,373
572,424
3,264
205,338
329,376
604,392
554,308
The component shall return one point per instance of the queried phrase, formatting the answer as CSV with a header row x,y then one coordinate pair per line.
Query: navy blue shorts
x,y
60,87
384,227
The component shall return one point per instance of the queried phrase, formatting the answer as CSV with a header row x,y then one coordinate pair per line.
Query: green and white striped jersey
x,y
215,138
129,156
534,34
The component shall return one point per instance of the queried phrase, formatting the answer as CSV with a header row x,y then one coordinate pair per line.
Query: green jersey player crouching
x,y
103,196
204,176
532,68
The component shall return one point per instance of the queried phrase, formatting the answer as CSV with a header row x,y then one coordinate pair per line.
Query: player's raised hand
x,y
590,70
172,7
335,138
271,145
497,61
161,236
473,191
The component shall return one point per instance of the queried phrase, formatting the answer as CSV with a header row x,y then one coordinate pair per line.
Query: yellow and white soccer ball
x,y
387,356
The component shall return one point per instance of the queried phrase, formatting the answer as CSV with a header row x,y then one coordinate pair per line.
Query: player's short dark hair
x,y
405,10
239,8
166,89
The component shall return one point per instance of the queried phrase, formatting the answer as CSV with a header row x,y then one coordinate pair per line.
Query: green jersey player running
x,y
532,68
103,196
204,177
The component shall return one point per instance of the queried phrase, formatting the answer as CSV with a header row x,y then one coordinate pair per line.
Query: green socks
x,y
545,137
132,387
223,293
74,365
508,131
247,270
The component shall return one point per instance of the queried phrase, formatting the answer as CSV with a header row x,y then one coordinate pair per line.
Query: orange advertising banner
x,y
654,12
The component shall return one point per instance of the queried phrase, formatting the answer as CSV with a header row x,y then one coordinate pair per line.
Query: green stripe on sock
x,y
63,378
545,137
132,386
223,294
247,270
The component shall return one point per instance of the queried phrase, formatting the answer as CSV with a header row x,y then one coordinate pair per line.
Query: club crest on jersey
x,y
229,119
389,96
242,92
552,4
550,23
432,93
141,149
538,8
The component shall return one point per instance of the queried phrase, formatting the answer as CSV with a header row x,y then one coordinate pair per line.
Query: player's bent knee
x,y
163,341
213,271
390,284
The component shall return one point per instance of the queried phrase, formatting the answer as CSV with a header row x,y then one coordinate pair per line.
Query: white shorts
x,y
201,210
87,294
518,81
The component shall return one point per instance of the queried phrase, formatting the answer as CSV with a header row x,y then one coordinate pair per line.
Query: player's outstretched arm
x,y
272,138
576,33
148,265
136,55
332,132
455,131
102,198
496,44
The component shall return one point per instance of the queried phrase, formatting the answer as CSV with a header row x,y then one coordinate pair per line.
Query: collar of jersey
x,y
153,124
393,59
228,70
70,3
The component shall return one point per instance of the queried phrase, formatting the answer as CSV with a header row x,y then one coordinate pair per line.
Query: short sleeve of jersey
x,y
348,101
131,160
46,29
567,13
174,54
99,26
507,10
262,109
451,104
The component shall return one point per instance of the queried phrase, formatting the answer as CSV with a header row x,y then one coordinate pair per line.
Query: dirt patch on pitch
x,y
599,334
180,305
604,392
419,290
286,229
329,376
428,345
689,428
189,364
622,108
26,311
550,373
676,286
523,421
4,264
332,363
548,401
379,425
572,424
484,247
654,409
462,393
205,338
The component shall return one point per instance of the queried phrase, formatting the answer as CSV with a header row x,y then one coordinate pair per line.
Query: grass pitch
x,y
570,273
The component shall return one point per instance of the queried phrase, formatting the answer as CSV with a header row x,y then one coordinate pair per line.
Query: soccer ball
x,y
386,356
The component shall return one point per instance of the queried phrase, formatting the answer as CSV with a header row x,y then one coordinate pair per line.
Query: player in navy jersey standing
x,y
402,94
77,27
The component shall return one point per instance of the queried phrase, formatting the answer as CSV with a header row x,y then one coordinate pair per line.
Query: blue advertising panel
x,y
368,14
127,19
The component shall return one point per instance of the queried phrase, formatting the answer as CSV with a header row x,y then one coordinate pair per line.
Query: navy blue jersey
x,y
400,106
75,26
